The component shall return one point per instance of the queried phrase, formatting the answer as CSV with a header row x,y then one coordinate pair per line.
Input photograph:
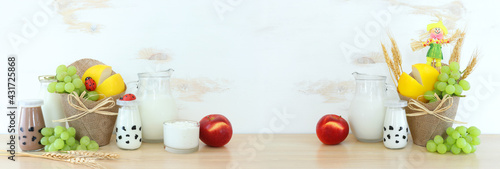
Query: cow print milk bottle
x,y
128,125
395,125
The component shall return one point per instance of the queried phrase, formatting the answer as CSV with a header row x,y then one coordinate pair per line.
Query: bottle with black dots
x,y
128,124
395,125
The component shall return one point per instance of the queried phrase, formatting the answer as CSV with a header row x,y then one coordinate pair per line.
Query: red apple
x,y
332,129
215,130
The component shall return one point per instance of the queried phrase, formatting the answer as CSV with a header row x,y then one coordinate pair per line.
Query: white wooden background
x,y
269,66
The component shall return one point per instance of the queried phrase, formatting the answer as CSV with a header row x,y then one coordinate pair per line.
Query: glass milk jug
x,y
52,108
156,104
367,110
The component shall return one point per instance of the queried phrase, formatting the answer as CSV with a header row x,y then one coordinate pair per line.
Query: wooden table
x,y
281,151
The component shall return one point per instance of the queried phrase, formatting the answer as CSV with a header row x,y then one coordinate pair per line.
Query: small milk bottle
x,y
128,125
395,125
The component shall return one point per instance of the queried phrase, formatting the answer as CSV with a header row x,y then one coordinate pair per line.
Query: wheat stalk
x,y
58,155
396,55
472,64
455,55
393,63
96,155
457,35
75,157
84,161
390,64
66,158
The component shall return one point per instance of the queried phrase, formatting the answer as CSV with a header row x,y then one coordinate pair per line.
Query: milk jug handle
x,y
133,86
391,92
389,87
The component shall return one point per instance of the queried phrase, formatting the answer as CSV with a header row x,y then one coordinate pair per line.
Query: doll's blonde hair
x,y
437,25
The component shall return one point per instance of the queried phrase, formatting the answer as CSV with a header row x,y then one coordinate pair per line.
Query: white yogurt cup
x,y
181,136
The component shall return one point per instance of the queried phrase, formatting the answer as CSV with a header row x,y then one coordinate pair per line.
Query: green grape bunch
x,y
458,140
448,82
67,81
63,139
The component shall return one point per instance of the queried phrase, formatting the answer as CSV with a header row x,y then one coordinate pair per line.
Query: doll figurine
x,y
437,32
435,35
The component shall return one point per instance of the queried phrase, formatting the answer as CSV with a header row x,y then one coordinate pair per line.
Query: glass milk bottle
x,y
156,104
52,107
128,125
395,125
367,111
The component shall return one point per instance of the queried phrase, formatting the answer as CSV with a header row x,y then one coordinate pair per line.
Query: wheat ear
x,y
58,155
472,64
97,155
457,35
456,53
61,157
390,64
396,55
84,161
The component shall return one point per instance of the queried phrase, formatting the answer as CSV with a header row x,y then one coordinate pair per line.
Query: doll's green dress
x,y
435,51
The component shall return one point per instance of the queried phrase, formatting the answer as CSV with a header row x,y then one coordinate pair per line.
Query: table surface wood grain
x,y
280,151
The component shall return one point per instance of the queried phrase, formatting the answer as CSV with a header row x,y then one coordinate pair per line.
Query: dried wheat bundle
x,y
90,162
472,64
390,64
456,53
96,155
393,63
86,158
58,155
84,161
457,35
396,55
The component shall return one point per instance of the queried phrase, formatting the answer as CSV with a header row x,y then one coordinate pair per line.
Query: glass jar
x,y
156,104
367,111
30,125
395,125
52,107
181,136
128,125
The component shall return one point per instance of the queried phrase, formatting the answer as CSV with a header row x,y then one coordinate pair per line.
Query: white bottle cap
x,y
396,103
31,103
126,103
